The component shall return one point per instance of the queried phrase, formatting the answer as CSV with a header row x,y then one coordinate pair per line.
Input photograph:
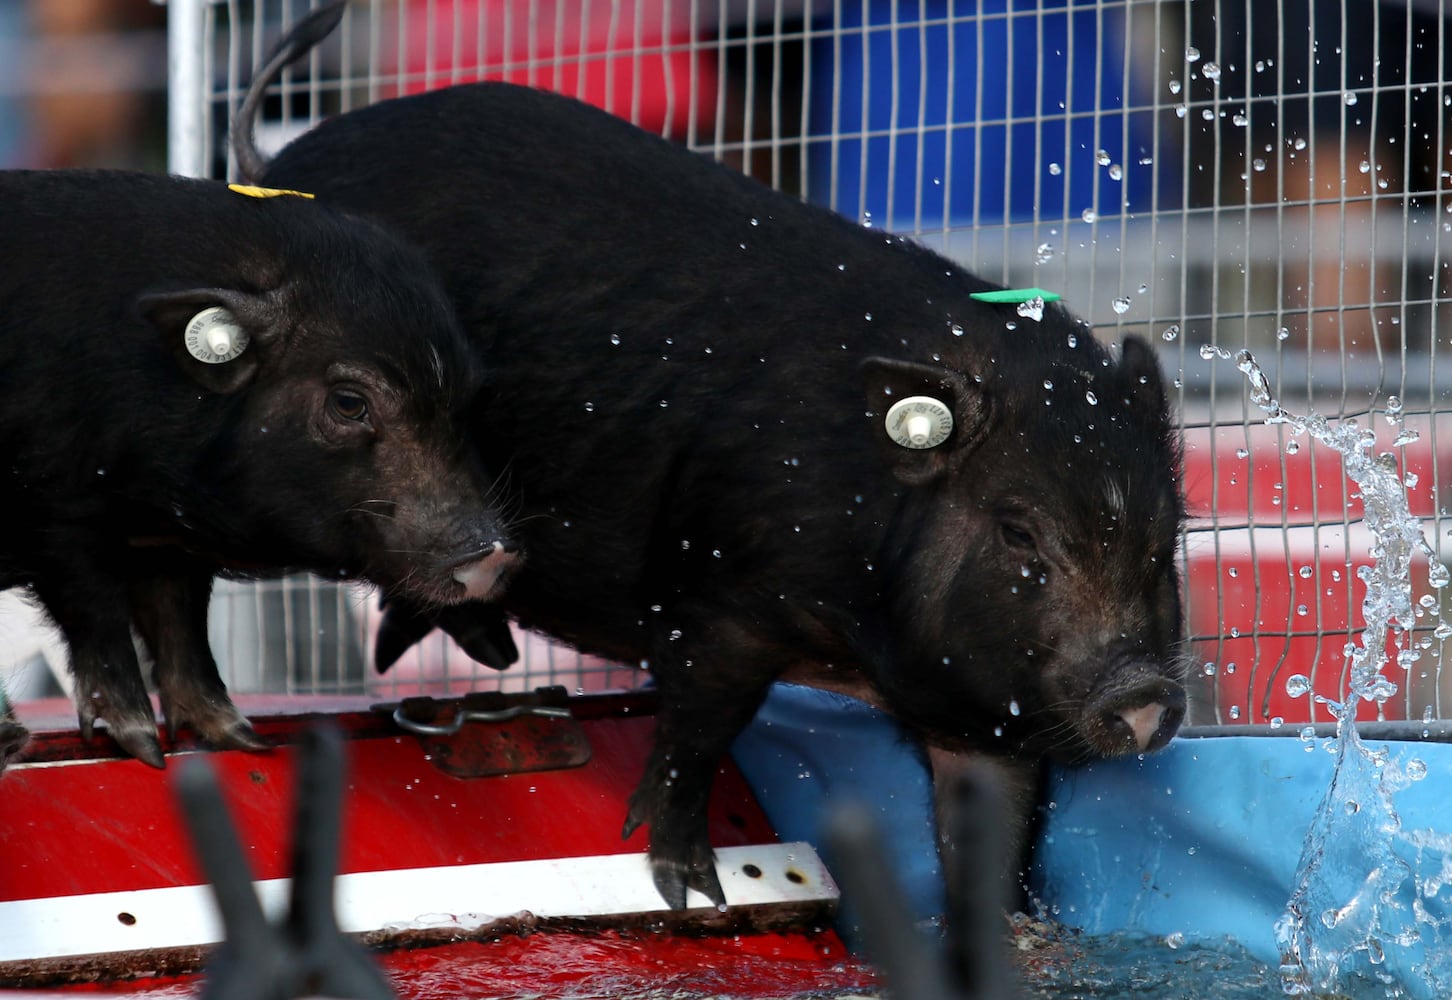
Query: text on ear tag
x,y
214,336
919,422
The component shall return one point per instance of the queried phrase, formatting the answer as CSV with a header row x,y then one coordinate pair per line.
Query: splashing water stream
x,y
1358,899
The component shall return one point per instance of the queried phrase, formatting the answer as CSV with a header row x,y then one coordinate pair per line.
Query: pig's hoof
x,y
219,725
134,732
13,737
673,878
139,740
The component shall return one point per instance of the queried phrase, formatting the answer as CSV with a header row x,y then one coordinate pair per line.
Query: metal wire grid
x,y
1145,186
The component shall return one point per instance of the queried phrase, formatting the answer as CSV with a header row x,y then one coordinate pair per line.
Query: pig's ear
x,y
217,335
923,417
1144,385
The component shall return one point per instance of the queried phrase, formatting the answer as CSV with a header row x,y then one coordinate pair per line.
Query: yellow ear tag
x,y
252,191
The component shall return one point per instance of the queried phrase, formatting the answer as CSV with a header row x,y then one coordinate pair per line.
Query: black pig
x,y
690,378
139,456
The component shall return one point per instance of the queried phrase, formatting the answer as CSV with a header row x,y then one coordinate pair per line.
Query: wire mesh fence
x,y
1269,176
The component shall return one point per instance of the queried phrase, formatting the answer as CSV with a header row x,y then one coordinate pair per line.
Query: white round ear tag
x,y
919,422
213,336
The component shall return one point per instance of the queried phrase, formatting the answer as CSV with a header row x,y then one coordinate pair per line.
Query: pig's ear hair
x,y
171,312
1144,384
887,381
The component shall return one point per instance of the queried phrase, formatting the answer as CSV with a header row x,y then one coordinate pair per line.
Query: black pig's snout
x,y
1139,718
481,573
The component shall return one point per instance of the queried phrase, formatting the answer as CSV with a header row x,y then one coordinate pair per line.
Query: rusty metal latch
x,y
489,733
461,718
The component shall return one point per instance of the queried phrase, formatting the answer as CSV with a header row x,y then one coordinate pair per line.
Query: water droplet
x,y
1092,399
1241,120
1298,685
1416,768
1055,170
615,339
1258,165
956,330
1181,110
1351,98
1031,309
1234,712
1211,71
589,407
1175,86
1277,722
1044,253
1013,707
1192,54
1089,215
1116,172
1121,304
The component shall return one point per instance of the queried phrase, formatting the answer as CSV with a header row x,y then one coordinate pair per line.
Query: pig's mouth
x,y
481,575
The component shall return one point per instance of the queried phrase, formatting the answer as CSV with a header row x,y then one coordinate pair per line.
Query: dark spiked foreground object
x,y
970,962
306,954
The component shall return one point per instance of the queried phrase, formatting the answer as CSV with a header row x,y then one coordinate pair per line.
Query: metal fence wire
x,y
1248,174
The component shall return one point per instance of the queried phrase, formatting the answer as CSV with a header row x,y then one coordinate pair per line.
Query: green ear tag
x,y
1015,295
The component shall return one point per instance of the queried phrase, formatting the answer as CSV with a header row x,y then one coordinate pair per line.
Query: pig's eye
x,y
348,405
1016,536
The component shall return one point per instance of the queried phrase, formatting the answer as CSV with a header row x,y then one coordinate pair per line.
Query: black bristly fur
x,y
688,374
130,473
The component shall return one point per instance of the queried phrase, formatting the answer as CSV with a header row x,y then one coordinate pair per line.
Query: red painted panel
x,y
112,825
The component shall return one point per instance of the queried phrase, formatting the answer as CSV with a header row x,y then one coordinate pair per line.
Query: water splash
x,y
1357,897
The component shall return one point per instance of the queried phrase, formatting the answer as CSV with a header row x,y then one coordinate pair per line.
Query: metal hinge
x,y
489,733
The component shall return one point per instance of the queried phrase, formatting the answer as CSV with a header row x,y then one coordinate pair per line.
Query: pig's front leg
x,y
91,611
13,737
169,593
709,691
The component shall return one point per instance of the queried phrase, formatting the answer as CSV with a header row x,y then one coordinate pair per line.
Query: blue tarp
x,y
1201,840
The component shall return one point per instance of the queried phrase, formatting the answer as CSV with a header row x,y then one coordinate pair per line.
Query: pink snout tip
x,y
482,579
1144,722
